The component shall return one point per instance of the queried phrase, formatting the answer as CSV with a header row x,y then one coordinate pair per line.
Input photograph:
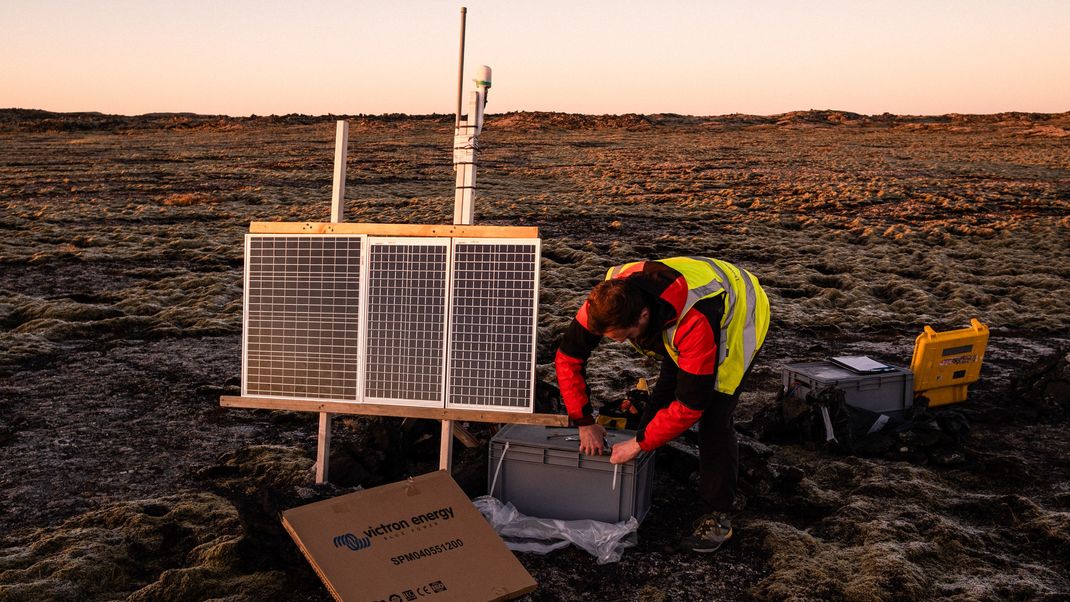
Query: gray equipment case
x,y
544,475
881,392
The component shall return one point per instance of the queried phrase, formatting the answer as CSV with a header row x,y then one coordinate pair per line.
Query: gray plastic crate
x,y
544,475
882,392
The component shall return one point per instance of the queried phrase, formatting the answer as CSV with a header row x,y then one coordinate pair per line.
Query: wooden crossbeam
x,y
436,230
464,435
369,409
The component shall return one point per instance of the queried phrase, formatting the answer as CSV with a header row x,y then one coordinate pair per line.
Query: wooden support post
x,y
338,211
323,448
338,190
445,450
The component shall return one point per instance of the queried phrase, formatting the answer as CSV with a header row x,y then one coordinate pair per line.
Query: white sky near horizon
x,y
240,57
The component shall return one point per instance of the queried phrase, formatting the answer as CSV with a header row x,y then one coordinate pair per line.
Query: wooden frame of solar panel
x,y
507,383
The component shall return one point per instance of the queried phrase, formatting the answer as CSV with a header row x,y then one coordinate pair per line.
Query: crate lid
x,y
830,373
552,438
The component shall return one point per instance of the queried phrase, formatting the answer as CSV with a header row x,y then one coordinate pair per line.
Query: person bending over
x,y
706,319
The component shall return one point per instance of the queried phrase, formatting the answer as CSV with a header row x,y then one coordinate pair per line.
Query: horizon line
x,y
489,114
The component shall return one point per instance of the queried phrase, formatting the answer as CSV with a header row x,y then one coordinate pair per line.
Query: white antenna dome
x,y
483,76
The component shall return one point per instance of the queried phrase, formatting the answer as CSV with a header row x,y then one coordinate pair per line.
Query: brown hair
x,y
614,304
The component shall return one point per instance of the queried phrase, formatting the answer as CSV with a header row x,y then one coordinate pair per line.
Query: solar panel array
x,y
301,318
400,320
492,322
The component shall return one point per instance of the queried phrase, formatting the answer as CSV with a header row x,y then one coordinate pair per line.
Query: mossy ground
x,y
120,320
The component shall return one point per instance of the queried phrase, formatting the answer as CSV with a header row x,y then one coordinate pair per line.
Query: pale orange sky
x,y
241,57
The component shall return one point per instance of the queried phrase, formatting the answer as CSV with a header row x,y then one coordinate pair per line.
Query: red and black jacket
x,y
683,391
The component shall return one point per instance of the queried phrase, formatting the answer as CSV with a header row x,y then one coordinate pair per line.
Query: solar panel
x,y
301,316
492,323
408,284
398,320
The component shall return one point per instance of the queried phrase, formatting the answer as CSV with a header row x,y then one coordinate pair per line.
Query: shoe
x,y
711,532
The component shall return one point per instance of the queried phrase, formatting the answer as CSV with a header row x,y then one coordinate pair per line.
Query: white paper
x,y
861,363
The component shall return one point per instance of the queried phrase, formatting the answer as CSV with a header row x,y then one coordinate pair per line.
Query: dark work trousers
x,y
717,445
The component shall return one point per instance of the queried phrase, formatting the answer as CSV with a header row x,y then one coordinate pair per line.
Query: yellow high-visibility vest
x,y
746,312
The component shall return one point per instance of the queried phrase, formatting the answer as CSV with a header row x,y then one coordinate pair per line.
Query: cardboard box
x,y
420,539
544,475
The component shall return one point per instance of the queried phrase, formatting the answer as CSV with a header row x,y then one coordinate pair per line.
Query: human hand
x,y
592,439
625,451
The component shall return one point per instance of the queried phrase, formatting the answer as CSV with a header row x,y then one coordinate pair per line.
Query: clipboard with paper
x,y
861,364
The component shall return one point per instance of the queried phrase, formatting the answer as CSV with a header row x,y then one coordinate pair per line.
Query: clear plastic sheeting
x,y
604,541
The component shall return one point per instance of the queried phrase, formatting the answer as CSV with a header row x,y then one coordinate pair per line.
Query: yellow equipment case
x,y
945,363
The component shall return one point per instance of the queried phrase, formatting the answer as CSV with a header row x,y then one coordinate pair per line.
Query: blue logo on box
x,y
352,542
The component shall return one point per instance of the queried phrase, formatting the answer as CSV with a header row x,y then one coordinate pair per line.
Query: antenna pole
x,y
460,70
445,452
